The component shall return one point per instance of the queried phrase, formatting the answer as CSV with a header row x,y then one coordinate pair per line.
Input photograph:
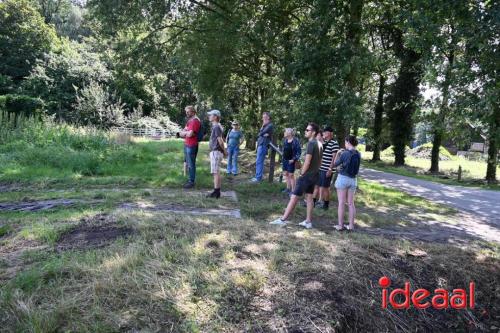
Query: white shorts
x,y
215,160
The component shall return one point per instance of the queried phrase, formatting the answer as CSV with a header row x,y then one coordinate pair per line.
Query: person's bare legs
x,y
341,194
352,208
326,193
292,181
310,207
288,181
290,207
217,180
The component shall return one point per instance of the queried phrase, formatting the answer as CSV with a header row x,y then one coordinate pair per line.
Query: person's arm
x,y
334,157
298,151
190,130
306,165
221,143
338,161
242,138
267,130
227,136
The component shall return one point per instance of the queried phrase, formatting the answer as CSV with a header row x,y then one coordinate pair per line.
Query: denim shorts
x,y
346,183
289,167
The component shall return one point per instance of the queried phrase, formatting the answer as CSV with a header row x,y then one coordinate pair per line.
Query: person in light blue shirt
x,y
234,139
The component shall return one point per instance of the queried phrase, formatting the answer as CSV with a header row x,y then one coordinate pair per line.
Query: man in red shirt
x,y
190,135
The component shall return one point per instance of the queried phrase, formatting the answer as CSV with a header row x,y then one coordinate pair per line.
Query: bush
x,y
13,107
95,105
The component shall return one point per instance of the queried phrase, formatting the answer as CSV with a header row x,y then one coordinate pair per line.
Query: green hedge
x,y
20,105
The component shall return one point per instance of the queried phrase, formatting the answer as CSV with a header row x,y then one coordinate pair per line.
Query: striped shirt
x,y
329,149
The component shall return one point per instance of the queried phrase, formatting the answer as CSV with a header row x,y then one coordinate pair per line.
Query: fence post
x,y
272,162
460,173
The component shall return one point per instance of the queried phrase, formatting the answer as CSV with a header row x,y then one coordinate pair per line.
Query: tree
x,y
57,75
481,78
24,37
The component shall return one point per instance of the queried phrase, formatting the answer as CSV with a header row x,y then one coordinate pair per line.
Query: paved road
x,y
483,203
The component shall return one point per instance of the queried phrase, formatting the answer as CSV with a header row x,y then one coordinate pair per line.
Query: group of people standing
x,y
323,161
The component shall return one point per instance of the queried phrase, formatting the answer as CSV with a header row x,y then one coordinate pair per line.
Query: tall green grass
x,y
50,152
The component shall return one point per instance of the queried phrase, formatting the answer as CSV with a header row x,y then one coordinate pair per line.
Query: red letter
x,y
384,282
405,292
420,295
384,298
472,287
440,294
459,299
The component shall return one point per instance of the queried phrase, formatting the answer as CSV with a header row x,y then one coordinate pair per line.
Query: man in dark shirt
x,y
308,178
190,135
264,138
217,151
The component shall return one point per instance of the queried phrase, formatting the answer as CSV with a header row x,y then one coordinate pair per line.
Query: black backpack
x,y
201,132
353,163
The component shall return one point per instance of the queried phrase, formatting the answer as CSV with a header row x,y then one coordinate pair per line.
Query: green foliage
x,y
6,84
96,105
66,16
13,107
24,37
57,76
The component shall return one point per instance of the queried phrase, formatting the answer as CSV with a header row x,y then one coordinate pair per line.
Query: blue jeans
x,y
190,154
232,159
259,163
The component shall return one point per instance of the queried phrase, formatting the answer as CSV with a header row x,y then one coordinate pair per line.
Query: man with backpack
x,y
192,134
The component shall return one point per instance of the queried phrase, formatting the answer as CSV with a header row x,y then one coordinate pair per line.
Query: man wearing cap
x,y
190,135
234,139
330,149
217,151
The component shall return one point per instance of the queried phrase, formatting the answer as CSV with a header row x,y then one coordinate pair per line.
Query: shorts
x,y
346,183
289,167
305,184
323,180
215,160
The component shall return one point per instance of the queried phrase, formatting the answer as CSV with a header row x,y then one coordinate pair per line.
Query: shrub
x,y
95,105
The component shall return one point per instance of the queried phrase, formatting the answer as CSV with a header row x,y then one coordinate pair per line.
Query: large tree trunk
x,y
494,145
353,37
439,122
436,144
377,124
402,102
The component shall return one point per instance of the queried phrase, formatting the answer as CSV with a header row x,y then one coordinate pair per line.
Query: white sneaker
x,y
279,222
305,224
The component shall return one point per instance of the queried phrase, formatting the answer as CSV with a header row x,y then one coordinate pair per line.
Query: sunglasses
x,y
308,130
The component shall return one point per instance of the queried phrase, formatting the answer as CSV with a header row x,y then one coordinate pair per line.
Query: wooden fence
x,y
153,133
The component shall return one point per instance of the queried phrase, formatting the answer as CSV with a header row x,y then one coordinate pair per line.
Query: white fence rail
x,y
153,133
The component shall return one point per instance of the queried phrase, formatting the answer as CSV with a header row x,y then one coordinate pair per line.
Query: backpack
x,y
352,165
201,132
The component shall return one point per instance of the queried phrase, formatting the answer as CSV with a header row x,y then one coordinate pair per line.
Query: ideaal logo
x,y
423,298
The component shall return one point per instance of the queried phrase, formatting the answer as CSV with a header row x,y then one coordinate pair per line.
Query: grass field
x,y
154,271
473,172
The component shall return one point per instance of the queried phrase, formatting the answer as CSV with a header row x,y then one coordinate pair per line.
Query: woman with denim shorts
x,y
346,182
291,154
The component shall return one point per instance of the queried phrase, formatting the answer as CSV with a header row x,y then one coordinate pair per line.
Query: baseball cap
x,y
235,122
214,113
328,129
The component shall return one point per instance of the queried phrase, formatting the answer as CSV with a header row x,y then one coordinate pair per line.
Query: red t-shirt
x,y
194,125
